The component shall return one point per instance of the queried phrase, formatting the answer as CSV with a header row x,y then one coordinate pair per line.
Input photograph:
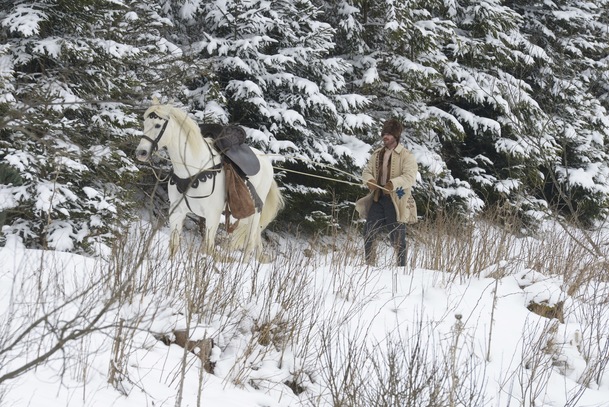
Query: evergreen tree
x,y
397,53
271,72
504,102
73,76
519,96
494,106
570,85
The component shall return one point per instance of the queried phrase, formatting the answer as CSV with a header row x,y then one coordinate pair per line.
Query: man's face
x,y
389,140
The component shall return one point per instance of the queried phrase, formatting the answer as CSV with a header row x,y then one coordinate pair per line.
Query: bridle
x,y
155,142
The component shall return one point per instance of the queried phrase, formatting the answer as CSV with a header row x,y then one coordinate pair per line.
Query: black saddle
x,y
230,141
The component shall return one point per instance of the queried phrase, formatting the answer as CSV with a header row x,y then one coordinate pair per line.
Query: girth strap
x,y
257,201
184,184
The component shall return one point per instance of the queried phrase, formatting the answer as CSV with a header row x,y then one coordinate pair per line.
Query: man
x,y
390,174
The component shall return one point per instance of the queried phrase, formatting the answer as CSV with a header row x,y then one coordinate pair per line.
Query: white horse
x,y
197,166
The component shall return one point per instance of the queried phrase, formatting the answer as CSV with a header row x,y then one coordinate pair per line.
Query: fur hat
x,y
393,127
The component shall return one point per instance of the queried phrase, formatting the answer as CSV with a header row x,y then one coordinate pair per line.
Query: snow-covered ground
x,y
314,328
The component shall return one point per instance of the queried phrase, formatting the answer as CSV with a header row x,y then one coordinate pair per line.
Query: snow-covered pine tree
x,y
569,82
74,75
533,126
492,103
397,53
270,71
494,93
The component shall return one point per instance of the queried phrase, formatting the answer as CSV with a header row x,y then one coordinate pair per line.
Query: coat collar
x,y
398,149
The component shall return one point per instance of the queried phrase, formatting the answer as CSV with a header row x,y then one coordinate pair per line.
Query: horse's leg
x,y
176,221
212,222
210,237
254,239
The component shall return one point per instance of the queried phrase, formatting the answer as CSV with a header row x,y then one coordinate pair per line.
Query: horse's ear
x,y
155,100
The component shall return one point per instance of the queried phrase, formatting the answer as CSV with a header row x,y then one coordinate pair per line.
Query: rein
x,y
357,184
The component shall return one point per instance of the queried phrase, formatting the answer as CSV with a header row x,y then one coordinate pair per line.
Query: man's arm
x,y
368,178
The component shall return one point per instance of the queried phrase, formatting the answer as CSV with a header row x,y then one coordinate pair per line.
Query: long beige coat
x,y
403,175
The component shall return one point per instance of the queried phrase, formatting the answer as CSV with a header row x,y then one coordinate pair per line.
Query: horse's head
x,y
166,126
156,119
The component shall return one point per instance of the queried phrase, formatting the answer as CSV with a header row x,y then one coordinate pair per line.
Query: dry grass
x,y
465,249
280,310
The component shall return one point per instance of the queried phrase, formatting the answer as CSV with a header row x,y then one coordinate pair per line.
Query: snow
x,y
131,16
478,124
51,196
60,236
116,49
188,10
277,146
25,20
7,199
479,324
247,90
165,46
507,186
370,75
350,101
215,112
406,65
291,117
428,159
50,46
355,148
19,159
357,121
67,162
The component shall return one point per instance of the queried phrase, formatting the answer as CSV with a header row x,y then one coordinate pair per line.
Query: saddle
x,y
230,141
239,162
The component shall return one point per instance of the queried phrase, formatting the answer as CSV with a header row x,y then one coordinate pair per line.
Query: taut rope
x,y
359,178
319,176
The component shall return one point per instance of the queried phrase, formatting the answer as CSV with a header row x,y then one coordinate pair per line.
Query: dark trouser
x,y
382,217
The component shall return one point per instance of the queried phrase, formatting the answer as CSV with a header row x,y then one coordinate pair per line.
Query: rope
x,y
300,172
316,163
359,178
158,178
318,176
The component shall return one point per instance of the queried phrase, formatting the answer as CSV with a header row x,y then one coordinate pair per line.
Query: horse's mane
x,y
190,127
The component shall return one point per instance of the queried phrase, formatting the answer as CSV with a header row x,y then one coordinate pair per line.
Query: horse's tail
x,y
273,203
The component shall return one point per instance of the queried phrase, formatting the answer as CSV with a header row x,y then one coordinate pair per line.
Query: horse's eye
x,y
157,126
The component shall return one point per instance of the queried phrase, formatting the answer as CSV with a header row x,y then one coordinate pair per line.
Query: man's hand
x,y
388,188
371,184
